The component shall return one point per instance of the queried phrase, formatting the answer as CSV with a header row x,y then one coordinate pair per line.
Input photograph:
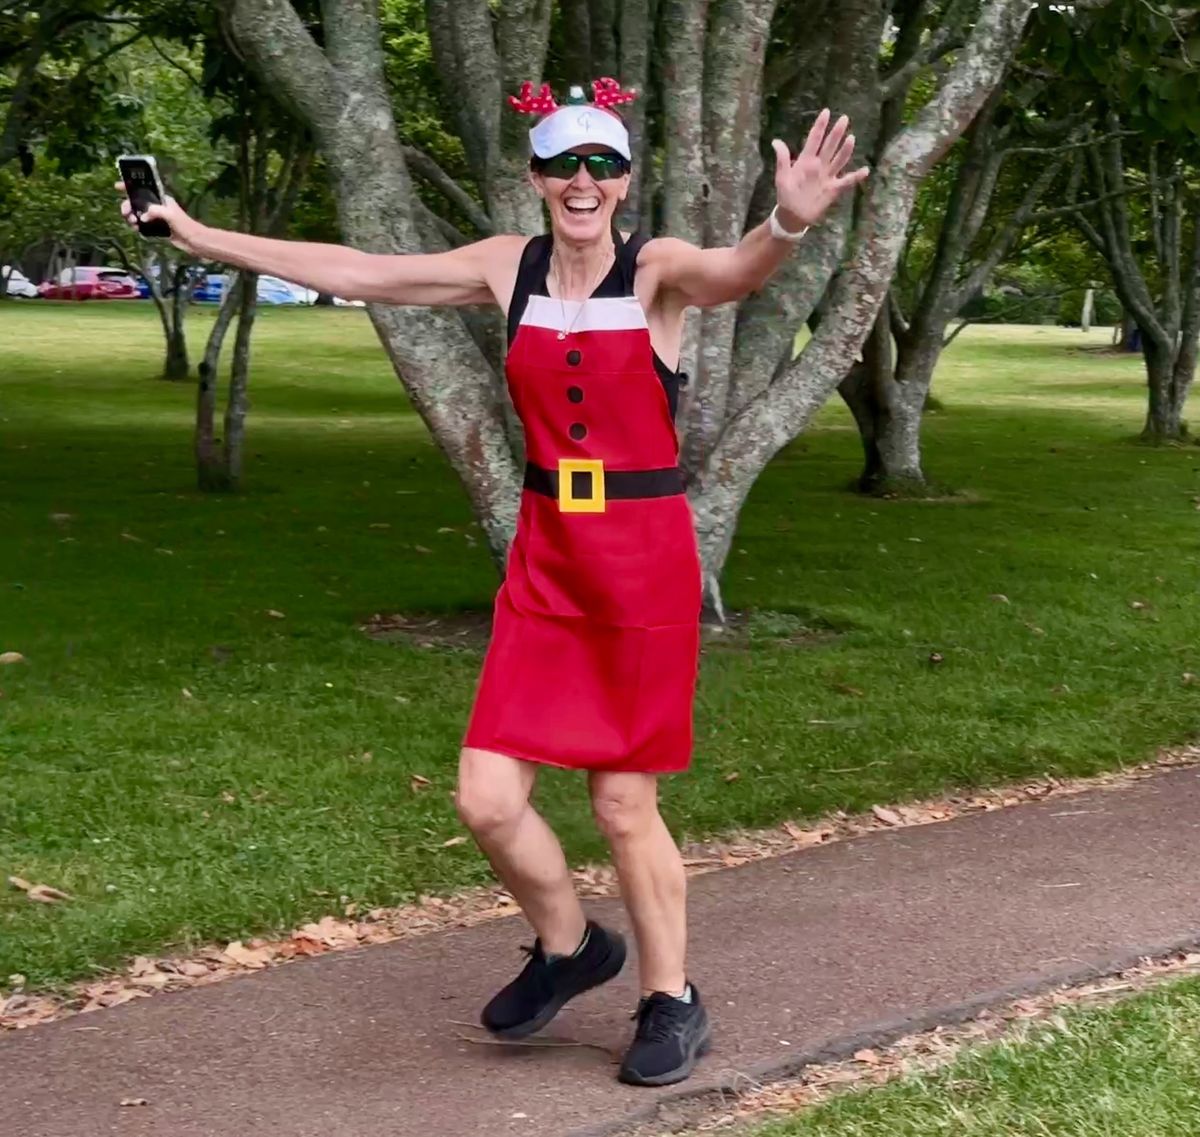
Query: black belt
x,y
618,484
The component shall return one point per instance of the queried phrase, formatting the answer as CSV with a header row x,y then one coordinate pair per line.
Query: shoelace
x,y
537,967
658,1018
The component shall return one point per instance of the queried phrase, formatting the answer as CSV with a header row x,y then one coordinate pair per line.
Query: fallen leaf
x,y
11,657
131,537
806,837
227,797
126,1102
1138,605
1189,679
42,893
185,693
454,841
869,1057
887,816
418,783
422,549
847,689
155,980
243,956
274,614
936,657
191,969
999,598
306,945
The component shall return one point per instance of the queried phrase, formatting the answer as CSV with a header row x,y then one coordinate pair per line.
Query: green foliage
x,y
1140,58
76,210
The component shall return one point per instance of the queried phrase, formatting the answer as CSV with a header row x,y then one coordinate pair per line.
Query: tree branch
x,y
164,56
469,64
425,167
299,73
947,37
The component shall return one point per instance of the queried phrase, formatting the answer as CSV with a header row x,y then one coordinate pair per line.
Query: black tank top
x,y
531,281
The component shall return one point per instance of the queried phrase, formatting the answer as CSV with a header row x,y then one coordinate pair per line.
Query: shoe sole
x,y
698,1050
609,969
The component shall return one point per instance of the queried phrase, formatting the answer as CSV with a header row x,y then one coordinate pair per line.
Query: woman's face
x,y
581,207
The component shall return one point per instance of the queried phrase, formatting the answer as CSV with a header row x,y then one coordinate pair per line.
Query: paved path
x,y
815,953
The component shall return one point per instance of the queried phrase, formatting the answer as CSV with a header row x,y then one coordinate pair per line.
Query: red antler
x,y
607,93
529,103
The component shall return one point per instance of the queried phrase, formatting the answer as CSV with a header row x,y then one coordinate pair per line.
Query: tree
x,y
750,397
1137,73
273,158
971,215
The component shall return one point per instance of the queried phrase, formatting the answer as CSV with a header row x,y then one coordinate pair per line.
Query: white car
x,y
18,284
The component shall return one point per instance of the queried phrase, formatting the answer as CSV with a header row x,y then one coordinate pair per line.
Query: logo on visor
x,y
584,120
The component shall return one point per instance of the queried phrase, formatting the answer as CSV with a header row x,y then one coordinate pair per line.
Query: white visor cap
x,y
572,126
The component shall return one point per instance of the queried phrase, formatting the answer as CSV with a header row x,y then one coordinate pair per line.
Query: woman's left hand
x,y
806,187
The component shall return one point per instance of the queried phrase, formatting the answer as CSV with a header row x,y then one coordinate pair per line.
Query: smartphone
x,y
143,187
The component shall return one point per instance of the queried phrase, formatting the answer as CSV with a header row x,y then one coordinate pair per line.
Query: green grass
x,y
117,787
1131,1070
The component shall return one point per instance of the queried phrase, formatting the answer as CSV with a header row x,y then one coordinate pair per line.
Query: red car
x,y
89,282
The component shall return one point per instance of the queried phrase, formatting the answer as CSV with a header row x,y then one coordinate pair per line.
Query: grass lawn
x,y
282,780
1131,1070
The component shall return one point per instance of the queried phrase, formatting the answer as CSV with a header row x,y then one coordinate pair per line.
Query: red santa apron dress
x,y
595,642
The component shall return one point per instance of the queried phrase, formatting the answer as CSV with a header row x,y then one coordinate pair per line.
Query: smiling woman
x,y
593,658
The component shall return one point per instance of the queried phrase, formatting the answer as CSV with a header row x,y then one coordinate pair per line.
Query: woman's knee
x,y
625,806
492,791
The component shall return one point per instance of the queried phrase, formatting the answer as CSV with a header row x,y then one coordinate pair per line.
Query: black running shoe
x,y
671,1035
531,1000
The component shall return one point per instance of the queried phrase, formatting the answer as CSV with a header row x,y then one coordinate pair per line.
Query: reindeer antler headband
x,y
576,122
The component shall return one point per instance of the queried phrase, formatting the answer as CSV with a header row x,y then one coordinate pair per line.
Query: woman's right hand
x,y
184,229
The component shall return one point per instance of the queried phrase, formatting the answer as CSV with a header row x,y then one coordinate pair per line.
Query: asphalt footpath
x,y
805,956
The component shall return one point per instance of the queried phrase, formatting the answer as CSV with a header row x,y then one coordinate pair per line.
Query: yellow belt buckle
x,y
567,502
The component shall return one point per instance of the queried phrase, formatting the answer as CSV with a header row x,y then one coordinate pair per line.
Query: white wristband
x,y
777,230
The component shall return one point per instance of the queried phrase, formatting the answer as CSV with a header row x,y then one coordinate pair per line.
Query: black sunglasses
x,y
602,167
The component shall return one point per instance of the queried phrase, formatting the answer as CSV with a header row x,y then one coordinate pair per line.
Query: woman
x,y
593,657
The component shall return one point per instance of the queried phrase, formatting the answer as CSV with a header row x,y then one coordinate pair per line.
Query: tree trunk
x,y
175,362
237,402
1164,412
777,415
212,475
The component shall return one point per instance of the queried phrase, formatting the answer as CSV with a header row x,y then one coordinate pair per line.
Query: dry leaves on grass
x,y
11,657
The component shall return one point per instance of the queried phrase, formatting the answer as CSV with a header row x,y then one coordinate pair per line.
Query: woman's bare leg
x,y
651,873
493,802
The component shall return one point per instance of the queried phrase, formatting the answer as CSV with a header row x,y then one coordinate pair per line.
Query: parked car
x,y
276,290
90,282
18,284
271,290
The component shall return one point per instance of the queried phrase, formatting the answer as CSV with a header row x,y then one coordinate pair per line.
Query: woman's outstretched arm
x,y
805,188
467,275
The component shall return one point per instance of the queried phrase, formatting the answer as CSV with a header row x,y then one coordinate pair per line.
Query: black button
x,y
577,431
574,357
575,394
